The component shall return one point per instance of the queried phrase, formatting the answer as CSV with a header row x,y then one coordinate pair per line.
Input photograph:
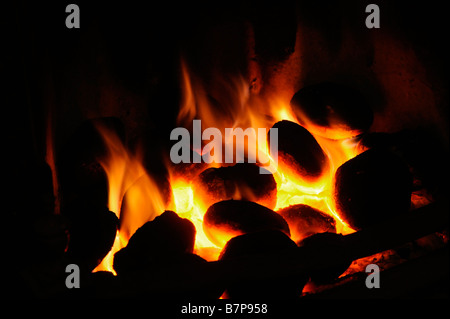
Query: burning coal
x,y
238,146
285,158
305,175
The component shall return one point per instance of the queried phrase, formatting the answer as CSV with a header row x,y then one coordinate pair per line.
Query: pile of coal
x,y
241,181
372,187
305,221
161,251
332,110
299,152
230,218
263,242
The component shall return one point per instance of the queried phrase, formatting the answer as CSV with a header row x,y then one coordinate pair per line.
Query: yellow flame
x,y
143,200
187,207
256,112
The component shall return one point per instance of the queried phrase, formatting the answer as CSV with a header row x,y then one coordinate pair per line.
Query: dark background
x,y
132,52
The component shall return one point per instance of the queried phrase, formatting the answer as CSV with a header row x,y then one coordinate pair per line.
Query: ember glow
x,y
187,207
136,199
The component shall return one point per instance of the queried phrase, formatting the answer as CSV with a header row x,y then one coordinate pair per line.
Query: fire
x,y
133,195
291,190
255,112
251,111
187,207
135,198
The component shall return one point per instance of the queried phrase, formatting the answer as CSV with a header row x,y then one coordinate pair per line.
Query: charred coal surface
x,y
241,181
305,221
299,150
92,232
319,244
260,243
372,187
227,219
161,241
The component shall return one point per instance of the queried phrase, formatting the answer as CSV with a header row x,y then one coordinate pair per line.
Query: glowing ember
x,y
186,207
256,113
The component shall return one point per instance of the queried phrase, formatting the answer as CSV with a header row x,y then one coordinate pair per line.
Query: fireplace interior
x,y
362,171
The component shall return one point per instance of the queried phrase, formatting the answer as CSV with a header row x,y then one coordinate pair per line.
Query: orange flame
x,y
133,195
187,207
135,198
253,111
